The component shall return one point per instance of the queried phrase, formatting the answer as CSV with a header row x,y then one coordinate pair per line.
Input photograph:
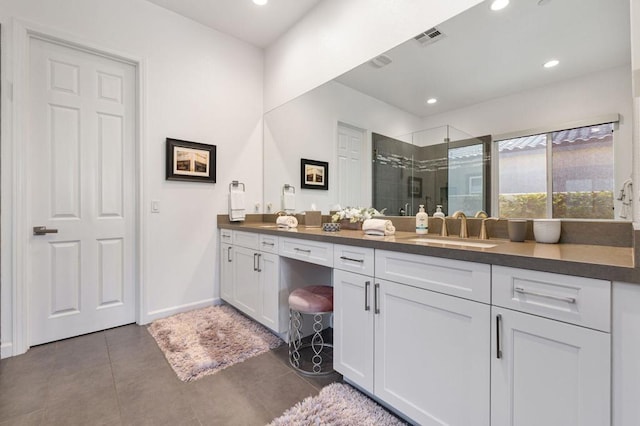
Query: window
x,y
560,174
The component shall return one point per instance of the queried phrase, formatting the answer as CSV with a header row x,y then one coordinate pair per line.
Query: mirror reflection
x,y
485,71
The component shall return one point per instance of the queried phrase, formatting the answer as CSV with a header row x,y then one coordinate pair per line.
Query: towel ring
x,y
235,184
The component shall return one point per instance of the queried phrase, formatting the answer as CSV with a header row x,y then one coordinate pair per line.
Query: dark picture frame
x,y
190,161
414,185
314,174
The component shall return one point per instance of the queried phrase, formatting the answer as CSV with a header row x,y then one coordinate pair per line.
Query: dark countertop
x,y
591,261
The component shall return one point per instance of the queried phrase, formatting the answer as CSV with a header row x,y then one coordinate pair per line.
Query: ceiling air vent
x,y
380,61
429,36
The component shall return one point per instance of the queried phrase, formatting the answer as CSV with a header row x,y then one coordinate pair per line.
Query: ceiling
x,y
258,25
487,54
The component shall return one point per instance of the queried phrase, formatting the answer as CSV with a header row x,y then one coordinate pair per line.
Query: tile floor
x,y
120,377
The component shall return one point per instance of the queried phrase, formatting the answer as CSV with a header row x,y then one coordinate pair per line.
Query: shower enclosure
x,y
428,168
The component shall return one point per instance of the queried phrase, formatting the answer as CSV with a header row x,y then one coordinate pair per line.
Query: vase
x,y
346,224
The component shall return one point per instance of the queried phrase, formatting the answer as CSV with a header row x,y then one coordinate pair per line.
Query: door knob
x,y
42,230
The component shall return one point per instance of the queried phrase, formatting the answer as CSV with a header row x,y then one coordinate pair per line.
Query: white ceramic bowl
x,y
547,230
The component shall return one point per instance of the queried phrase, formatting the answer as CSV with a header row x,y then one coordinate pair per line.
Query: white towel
x,y
236,206
378,227
289,201
287,221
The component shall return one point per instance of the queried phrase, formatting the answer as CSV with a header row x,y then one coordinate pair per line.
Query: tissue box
x,y
313,219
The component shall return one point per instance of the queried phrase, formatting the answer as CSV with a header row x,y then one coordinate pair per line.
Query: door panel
x,y
80,181
353,327
549,373
432,355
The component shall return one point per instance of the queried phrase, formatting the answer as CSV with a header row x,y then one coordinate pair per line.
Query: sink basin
x,y
459,243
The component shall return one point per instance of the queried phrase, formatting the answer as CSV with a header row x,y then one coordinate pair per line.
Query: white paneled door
x,y
351,146
81,182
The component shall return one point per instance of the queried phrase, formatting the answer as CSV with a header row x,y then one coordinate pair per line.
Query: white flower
x,y
355,214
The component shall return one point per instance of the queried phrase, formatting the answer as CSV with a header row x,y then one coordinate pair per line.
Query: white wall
x,y
597,94
199,85
338,35
306,127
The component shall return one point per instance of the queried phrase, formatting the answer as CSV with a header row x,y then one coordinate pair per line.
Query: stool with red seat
x,y
316,300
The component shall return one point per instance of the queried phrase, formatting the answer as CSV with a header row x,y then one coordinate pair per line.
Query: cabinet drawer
x,y
307,251
354,259
576,300
469,280
226,236
269,243
246,239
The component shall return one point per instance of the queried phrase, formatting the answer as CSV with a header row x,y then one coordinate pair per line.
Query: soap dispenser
x,y
422,221
438,212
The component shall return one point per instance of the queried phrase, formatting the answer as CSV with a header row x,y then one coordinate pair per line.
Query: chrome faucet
x,y
464,233
481,214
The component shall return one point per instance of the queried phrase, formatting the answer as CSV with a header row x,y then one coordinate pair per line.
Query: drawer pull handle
x,y
302,250
264,243
352,260
229,254
367,284
522,290
226,236
498,340
376,298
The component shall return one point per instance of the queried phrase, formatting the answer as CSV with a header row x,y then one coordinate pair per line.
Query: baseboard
x,y
167,312
6,350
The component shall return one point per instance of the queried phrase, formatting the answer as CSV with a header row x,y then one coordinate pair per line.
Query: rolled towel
x,y
287,221
378,227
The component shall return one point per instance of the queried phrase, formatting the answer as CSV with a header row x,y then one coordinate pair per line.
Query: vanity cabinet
x,y
551,349
226,266
432,355
422,352
250,278
353,332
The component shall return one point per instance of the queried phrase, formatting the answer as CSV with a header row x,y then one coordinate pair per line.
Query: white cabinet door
x,y
226,272
432,355
269,309
549,372
246,280
353,327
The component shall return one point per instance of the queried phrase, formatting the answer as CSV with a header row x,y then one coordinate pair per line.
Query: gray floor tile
x,y
82,352
222,401
21,395
282,392
35,418
121,377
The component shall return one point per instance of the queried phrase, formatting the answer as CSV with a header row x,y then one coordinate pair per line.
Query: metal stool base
x,y
317,344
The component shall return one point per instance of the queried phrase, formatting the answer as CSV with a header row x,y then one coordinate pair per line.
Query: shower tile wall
x,y
395,162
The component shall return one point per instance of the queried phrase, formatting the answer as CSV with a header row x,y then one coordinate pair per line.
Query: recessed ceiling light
x,y
260,2
432,100
552,63
499,4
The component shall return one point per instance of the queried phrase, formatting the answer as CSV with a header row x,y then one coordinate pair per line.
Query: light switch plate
x,y
155,206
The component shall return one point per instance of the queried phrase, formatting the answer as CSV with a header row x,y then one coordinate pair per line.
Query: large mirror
x,y
485,69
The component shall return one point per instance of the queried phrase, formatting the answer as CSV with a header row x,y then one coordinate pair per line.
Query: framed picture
x,y
415,186
191,161
314,174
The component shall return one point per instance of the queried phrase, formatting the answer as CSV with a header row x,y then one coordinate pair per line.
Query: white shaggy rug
x,y
337,405
205,341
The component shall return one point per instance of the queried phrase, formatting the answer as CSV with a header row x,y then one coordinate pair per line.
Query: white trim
x,y
23,32
163,313
6,350
594,121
